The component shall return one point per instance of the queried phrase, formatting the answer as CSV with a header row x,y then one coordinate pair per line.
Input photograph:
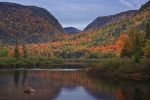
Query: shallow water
x,y
68,85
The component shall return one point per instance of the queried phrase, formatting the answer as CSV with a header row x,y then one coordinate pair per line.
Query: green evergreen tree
x,y
147,36
25,52
133,46
147,49
147,40
17,54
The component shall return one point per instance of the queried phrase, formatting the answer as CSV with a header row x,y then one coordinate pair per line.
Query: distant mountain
x,y
26,24
106,20
145,6
104,32
71,30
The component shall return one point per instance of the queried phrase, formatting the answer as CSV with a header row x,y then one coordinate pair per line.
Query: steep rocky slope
x,y
26,24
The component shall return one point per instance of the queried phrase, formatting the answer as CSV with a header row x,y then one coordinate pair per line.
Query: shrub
x,y
3,52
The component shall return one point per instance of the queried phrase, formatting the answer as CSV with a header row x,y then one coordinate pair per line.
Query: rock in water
x,y
29,90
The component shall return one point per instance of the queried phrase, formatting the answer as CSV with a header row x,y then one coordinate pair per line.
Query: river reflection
x,y
68,85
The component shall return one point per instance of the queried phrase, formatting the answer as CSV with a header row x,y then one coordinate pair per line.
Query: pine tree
x,y
25,52
17,54
133,45
147,37
147,49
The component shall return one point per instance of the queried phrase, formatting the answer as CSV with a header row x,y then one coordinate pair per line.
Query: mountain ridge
x,y
102,21
71,30
27,24
146,5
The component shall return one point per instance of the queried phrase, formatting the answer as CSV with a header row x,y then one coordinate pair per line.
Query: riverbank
x,y
121,68
10,62
108,68
43,63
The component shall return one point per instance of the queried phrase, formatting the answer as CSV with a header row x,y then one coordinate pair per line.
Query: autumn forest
x,y
38,38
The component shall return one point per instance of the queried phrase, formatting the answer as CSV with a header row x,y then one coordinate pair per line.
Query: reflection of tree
x,y
16,77
120,94
48,85
138,94
71,80
24,75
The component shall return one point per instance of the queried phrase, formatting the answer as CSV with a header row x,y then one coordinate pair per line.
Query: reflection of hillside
x,y
71,80
49,85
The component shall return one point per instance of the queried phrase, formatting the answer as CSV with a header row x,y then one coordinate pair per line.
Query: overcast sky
x,y
79,13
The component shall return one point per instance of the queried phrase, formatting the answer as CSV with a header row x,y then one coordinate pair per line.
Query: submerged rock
x,y
29,90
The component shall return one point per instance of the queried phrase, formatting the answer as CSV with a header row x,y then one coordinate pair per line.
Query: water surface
x,y
68,85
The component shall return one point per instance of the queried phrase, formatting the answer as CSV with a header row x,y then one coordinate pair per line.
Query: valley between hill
x,y
121,41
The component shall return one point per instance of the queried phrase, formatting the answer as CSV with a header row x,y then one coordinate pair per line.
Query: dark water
x,y
68,85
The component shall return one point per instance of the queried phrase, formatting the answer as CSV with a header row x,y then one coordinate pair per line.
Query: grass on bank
x,y
124,67
10,61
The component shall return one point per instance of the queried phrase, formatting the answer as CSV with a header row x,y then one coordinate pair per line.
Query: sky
x,y
79,13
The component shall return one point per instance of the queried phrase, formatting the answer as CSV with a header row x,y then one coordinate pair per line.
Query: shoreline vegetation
x,y
32,62
106,67
43,62
117,68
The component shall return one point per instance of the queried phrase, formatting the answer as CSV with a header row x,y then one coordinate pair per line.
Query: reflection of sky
x,y
77,94
79,13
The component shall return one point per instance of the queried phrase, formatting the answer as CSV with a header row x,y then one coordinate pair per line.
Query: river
x,y
68,85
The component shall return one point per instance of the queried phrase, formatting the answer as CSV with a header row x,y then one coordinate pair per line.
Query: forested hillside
x,y
100,22
123,38
26,24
